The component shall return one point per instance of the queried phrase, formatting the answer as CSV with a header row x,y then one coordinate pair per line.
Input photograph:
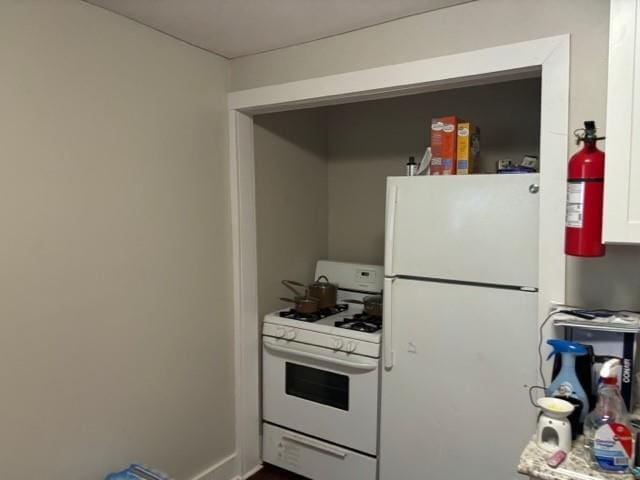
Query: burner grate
x,y
361,322
292,314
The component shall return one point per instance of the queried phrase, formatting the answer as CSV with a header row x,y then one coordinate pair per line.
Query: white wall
x,y
470,26
291,200
369,141
115,299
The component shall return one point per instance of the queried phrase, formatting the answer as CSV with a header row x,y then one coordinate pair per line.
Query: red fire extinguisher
x,y
585,186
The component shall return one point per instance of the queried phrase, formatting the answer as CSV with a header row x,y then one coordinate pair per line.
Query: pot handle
x,y
321,277
355,301
289,284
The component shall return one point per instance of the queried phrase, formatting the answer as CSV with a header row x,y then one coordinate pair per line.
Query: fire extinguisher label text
x,y
575,204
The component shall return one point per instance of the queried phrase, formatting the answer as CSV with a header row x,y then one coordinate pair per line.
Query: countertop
x,y
533,462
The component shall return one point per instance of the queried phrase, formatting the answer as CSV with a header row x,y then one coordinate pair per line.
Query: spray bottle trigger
x,y
565,346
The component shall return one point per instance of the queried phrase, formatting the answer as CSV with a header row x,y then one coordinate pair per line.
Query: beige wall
x,y
115,299
611,281
291,200
369,141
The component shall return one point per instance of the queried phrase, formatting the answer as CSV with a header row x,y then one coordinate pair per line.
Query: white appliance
x,y
460,326
321,382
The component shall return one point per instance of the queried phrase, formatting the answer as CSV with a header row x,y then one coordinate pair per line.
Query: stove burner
x,y
361,322
314,317
362,327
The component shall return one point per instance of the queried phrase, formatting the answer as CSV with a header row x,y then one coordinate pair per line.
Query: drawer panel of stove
x,y
314,458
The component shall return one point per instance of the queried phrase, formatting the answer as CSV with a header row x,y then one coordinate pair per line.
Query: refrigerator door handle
x,y
387,331
392,201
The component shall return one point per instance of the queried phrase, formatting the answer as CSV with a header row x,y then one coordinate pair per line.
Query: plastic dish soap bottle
x,y
566,384
607,430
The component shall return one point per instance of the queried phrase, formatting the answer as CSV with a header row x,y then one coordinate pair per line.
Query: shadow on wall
x,y
389,130
370,251
305,129
291,200
612,281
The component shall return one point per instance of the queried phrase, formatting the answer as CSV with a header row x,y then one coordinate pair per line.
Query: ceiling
x,y
233,28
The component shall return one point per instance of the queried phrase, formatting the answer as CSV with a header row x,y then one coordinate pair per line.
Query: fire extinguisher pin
x,y
582,133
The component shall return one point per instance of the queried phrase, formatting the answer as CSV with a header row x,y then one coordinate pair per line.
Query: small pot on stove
x,y
303,304
372,305
325,292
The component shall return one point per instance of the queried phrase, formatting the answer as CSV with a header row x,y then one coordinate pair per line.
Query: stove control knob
x,y
280,332
350,347
291,334
336,343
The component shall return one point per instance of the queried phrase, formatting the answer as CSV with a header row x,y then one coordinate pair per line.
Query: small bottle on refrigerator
x,y
412,167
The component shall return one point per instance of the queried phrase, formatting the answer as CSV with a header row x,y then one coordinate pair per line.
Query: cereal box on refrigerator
x,y
444,131
468,148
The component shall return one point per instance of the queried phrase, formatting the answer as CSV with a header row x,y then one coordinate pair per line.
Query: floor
x,y
270,472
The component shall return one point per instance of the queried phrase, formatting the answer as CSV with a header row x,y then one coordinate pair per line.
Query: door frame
x,y
548,58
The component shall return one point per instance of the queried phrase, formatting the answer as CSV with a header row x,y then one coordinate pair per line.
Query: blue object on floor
x,y
138,472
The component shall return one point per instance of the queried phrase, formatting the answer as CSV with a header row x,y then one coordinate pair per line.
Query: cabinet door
x,y
622,175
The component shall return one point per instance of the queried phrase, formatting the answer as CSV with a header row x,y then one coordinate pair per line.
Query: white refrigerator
x,y
460,326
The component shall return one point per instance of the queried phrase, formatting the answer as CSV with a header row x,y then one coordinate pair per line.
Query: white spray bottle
x,y
606,429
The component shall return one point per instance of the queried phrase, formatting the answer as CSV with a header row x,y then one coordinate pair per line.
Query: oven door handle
x,y
307,442
312,356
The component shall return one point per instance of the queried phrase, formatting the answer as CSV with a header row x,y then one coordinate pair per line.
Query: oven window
x,y
318,386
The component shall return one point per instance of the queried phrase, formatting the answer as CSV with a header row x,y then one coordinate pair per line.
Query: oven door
x,y
321,392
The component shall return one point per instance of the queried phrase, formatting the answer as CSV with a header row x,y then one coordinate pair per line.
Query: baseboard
x,y
253,471
225,469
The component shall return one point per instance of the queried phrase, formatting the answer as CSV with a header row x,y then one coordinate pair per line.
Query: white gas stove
x,y
336,326
320,382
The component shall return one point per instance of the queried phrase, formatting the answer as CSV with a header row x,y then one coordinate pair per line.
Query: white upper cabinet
x,y
622,173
